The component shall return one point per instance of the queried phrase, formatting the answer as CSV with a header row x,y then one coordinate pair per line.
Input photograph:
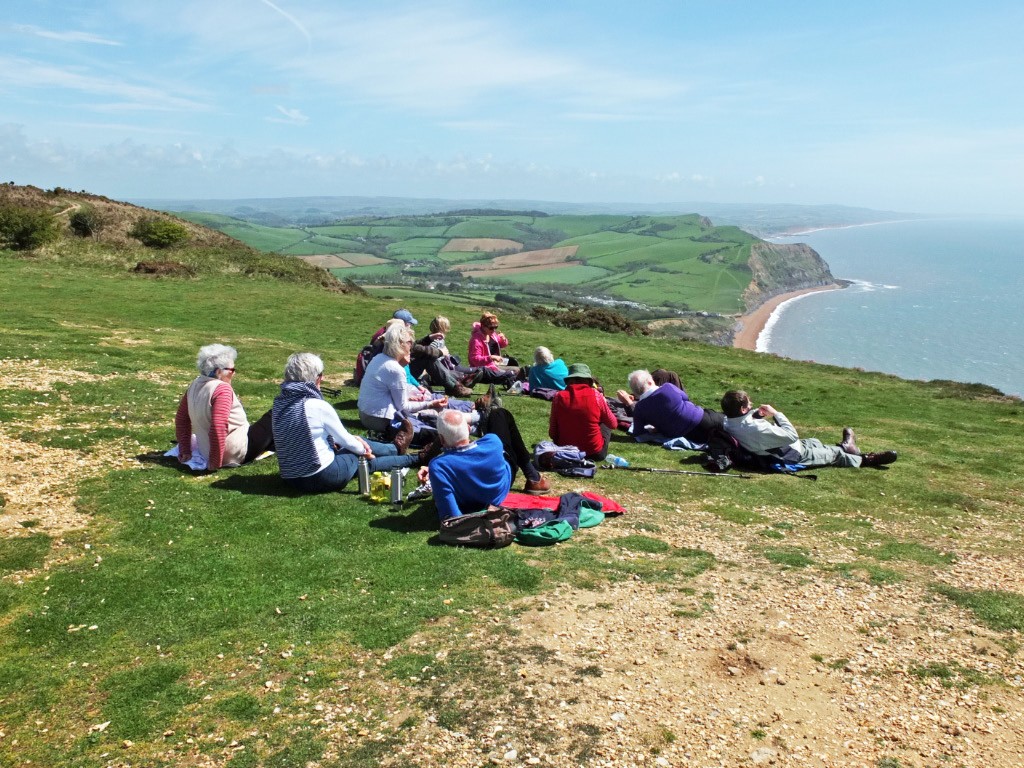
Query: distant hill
x,y
663,265
759,219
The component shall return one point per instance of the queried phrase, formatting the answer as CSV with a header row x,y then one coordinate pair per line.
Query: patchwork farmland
x,y
666,263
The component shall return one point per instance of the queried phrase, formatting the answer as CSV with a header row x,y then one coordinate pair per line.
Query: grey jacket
x,y
763,437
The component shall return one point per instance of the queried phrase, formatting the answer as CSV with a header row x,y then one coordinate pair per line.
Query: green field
x,y
700,266
573,275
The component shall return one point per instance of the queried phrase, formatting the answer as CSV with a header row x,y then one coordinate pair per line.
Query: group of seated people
x,y
316,453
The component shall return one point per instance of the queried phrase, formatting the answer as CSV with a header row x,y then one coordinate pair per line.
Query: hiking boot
x,y
486,402
849,445
461,391
536,487
430,451
403,437
473,378
878,459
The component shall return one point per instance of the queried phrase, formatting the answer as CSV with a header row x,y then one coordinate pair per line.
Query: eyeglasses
x,y
229,370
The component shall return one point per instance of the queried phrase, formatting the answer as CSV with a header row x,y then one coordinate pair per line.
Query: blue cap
x,y
405,314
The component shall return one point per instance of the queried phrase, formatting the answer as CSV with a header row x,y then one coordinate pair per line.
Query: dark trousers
x,y
261,437
503,424
709,422
606,436
439,375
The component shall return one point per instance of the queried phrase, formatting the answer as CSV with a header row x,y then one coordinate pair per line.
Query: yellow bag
x,y
380,487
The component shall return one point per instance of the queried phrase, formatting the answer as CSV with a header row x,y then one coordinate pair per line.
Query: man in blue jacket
x,y
470,475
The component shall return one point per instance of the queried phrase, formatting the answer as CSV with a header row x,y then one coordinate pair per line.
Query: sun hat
x,y
406,315
579,371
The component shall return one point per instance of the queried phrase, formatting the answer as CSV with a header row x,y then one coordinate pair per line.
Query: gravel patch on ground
x,y
746,664
38,483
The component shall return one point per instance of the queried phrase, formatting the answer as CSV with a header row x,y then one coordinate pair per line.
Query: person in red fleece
x,y
212,412
580,415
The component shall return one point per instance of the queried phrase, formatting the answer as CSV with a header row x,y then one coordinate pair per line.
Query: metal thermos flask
x,y
364,476
396,486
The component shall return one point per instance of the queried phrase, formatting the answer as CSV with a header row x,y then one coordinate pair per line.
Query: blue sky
x,y
908,106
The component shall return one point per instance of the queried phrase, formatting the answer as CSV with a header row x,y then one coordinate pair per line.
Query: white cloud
x,y
19,73
64,37
291,116
429,59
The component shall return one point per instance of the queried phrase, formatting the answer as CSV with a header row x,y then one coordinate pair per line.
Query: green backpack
x,y
544,535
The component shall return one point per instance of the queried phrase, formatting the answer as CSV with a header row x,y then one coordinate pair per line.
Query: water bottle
x,y
396,484
616,461
364,476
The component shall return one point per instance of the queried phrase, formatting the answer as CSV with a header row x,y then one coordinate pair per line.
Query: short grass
x,y
195,606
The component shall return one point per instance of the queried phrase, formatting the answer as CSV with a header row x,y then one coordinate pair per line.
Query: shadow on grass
x,y
169,462
422,518
257,485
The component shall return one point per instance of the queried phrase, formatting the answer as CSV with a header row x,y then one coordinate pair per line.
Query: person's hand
x,y
437,336
367,450
767,411
423,474
440,404
497,359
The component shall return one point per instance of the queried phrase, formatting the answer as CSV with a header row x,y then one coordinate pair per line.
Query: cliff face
x,y
778,268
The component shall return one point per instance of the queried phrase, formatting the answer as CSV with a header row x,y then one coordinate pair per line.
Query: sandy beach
x,y
751,325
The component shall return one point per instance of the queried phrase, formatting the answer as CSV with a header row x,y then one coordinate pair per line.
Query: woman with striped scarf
x,y
314,450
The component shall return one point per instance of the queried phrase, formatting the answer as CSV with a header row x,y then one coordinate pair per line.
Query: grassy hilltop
x,y
149,616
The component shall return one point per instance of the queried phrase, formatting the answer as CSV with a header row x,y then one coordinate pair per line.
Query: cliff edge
x,y
781,268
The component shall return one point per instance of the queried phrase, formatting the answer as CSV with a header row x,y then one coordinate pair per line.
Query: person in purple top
x,y
668,410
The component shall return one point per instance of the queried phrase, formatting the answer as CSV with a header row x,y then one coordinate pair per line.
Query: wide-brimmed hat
x,y
579,371
406,315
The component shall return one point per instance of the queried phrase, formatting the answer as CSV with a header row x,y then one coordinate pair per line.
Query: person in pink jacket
x,y
485,345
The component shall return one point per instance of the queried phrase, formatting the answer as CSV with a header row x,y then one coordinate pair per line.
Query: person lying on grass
x,y
211,411
668,410
470,475
314,450
764,431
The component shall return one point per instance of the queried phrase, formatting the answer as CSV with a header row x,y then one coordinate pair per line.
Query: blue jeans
x,y
336,475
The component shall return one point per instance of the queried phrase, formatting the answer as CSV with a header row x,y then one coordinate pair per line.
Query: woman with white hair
x,y
314,450
667,410
383,395
546,371
211,412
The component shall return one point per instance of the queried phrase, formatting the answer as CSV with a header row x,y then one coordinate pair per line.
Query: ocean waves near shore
x,y
935,299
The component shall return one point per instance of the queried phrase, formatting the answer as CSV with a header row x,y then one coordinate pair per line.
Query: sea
x,y
929,299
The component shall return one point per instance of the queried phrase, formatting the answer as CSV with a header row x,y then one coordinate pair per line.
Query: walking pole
x,y
676,472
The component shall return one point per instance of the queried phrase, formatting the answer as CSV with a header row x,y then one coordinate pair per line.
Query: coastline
x,y
751,325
